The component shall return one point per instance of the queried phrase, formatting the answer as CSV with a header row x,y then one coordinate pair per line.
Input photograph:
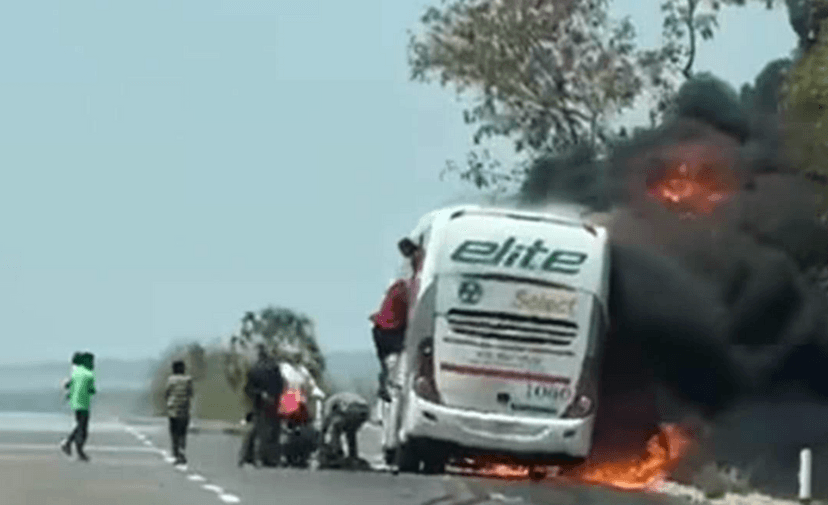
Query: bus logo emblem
x,y
470,292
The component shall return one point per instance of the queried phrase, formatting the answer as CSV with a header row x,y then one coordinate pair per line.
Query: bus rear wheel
x,y
537,473
407,460
434,458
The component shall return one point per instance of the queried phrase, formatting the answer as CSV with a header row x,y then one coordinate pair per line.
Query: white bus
x,y
508,314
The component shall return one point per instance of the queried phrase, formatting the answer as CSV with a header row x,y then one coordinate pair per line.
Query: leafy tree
x,y
547,74
685,24
278,329
805,103
544,73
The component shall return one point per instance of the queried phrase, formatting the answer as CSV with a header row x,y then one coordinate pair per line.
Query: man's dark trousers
x,y
267,432
81,430
178,435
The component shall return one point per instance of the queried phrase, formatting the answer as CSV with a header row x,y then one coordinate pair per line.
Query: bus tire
x,y
408,460
537,473
433,465
433,457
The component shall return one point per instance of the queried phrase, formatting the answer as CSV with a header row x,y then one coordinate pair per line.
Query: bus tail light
x,y
586,393
425,384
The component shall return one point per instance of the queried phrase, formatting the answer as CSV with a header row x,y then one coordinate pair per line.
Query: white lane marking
x,y
504,498
93,448
224,497
97,460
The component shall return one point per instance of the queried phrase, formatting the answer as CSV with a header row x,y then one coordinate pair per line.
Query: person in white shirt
x,y
301,410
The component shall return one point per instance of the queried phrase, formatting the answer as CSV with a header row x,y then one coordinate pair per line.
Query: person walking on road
x,y
76,359
81,388
179,393
345,413
264,387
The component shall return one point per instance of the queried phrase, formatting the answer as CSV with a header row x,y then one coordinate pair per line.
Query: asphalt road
x,y
122,471
130,466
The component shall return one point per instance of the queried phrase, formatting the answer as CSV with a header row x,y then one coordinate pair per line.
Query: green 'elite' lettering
x,y
565,262
473,251
510,254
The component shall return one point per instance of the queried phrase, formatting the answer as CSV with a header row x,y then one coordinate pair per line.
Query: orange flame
x,y
492,466
694,186
505,471
664,451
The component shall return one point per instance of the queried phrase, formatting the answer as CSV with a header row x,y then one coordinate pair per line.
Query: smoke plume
x,y
715,305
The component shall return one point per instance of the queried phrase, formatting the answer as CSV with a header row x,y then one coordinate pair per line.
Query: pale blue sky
x,y
169,165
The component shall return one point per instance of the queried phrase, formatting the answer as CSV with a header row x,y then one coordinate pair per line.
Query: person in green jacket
x,y
81,388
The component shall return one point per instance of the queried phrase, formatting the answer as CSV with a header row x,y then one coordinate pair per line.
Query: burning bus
x,y
507,318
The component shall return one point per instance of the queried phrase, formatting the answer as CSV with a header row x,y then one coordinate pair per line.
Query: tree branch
x,y
691,11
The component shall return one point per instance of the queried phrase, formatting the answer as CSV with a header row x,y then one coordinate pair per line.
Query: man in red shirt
x,y
391,320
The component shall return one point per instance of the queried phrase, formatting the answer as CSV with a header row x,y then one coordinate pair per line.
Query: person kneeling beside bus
x,y
345,413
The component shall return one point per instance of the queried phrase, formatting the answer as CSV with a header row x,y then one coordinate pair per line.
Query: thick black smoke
x,y
718,308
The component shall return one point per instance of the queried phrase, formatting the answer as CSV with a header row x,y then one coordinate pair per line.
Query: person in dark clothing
x,y
264,387
179,394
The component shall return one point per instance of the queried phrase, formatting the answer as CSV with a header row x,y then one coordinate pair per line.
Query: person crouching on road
x,y
179,394
81,388
264,387
345,413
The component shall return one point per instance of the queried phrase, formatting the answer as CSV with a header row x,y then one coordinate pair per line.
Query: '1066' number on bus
x,y
553,392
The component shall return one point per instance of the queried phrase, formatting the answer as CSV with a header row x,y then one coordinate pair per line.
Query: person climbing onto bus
x,y
391,321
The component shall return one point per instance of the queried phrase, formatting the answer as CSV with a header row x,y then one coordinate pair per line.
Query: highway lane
x,y
130,466
123,471
212,456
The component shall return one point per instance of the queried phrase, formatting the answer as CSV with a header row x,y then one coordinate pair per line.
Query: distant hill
x,y
348,366
343,366
354,371
124,384
113,373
